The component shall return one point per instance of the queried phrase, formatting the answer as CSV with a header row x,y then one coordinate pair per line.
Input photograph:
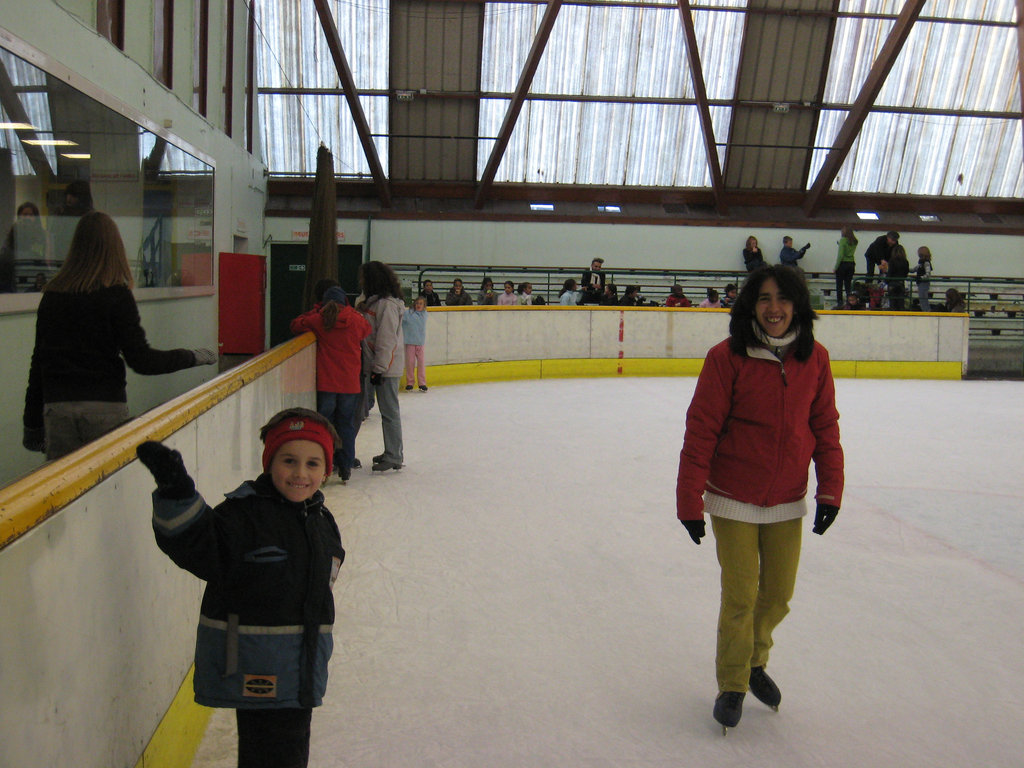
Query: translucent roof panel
x,y
620,53
930,155
293,53
961,66
296,124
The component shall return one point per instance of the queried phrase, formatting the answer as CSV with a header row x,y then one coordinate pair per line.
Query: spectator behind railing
x,y
610,297
507,298
432,299
955,301
730,295
899,269
486,295
593,283
528,297
569,296
711,302
921,274
752,256
457,296
677,298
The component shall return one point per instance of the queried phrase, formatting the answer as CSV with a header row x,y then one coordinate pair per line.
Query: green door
x,y
288,282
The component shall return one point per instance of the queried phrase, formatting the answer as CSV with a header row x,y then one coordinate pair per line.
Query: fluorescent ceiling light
x,y
52,142
929,217
17,127
609,209
542,206
867,215
75,156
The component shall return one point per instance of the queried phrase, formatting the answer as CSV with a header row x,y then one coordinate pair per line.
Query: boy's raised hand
x,y
172,479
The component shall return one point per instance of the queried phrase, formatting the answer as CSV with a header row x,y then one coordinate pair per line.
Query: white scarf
x,y
776,345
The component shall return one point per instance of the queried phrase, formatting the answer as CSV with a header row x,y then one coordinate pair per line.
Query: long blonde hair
x,y
96,258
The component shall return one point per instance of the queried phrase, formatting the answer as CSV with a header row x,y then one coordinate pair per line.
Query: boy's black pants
x,y
273,738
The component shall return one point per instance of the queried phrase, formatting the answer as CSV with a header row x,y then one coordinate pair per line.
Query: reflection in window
x,y
63,153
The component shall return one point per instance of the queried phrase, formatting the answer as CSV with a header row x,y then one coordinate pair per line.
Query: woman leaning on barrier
x,y
86,323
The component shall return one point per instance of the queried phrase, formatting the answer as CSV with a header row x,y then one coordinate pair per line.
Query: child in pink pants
x,y
414,329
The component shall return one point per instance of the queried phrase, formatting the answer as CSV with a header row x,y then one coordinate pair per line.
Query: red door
x,y
241,291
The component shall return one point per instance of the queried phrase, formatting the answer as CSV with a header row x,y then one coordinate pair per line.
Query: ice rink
x,y
521,594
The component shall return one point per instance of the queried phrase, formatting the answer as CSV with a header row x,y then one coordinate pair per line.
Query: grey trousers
x,y
69,426
391,419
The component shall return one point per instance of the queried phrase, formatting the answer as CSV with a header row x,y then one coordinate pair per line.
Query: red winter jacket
x,y
754,425
338,355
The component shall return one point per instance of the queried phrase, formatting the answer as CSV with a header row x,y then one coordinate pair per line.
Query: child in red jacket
x,y
339,329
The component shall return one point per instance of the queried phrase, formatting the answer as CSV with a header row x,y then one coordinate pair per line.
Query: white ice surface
x,y
522,596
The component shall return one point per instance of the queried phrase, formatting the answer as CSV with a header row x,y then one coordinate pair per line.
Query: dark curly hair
x,y
378,279
742,315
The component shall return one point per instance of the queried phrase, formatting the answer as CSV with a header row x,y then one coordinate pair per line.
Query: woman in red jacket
x,y
763,408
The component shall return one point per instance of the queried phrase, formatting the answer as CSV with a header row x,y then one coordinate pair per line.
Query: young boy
x,y
270,554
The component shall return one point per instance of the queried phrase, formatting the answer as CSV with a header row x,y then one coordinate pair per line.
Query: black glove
x,y
34,439
172,479
823,517
203,357
376,379
695,528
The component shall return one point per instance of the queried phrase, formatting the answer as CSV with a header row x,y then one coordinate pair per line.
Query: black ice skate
x,y
764,688
729,709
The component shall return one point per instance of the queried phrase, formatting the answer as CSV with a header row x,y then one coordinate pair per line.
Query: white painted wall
x,y
97,626
495,244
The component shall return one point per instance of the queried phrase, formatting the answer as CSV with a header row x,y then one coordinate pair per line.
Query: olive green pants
x,y
759,564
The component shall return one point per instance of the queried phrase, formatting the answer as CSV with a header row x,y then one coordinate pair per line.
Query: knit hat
x,y
297,428
336,293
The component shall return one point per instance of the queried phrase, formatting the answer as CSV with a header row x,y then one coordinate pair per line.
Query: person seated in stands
x,y
433,300
730,296
955,301
676,297
507,298
486,295
632,297
593,283
711,302
610,297
569,296
876,295
853,301
457,296
527,296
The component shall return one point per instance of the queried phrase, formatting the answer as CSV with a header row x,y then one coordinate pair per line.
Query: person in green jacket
x,y
845,265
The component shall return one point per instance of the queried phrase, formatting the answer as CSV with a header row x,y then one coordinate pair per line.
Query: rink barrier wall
x,y
491,343
99,623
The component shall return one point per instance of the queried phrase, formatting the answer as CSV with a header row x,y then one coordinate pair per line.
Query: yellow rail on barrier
x,y
27,502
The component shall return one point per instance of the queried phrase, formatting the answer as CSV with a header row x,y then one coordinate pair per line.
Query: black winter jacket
x,y
264,636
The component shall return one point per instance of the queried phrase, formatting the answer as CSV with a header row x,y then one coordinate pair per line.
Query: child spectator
x,y
508,296
789,255
632,297
527,296
457,296
955,301
853,301
269,554
569,296
711,302
610,297
921,275
486,295
339,332
676,297
730,295
433,300
414,329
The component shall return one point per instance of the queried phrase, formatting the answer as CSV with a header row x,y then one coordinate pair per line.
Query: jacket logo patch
x,y
297,425
259,686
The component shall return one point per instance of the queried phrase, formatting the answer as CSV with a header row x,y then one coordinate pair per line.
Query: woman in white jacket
x,y
383,307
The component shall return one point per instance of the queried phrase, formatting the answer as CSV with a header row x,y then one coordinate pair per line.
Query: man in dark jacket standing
x,y
880,250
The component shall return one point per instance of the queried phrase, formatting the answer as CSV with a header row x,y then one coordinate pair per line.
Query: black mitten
x,y
376,379
695,528
172,479
823,517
